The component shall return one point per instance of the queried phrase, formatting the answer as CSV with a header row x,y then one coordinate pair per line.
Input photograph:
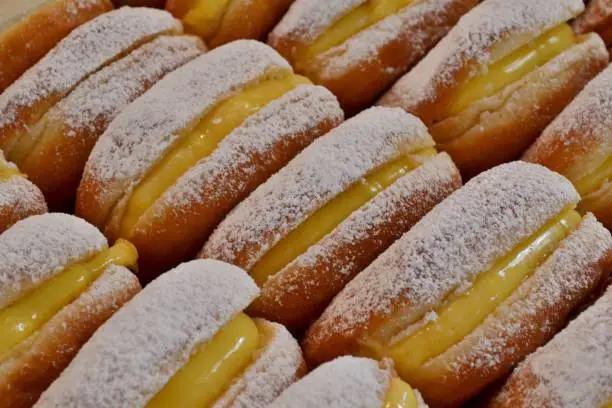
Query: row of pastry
x,y
184,154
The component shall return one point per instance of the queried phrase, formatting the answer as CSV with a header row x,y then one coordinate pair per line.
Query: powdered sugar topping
x,y
37,248
134,354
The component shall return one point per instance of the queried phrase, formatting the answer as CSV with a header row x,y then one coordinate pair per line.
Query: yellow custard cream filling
x,y
28,314
212,367
513,67
328,217
7,171
202,141
205,16
400,395
593,182
463,313
350,24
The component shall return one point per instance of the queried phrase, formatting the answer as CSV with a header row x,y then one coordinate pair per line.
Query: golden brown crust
x,y
375,71
242,19
19,199
505,124
597,17
39,32
36,362
300,292
140,3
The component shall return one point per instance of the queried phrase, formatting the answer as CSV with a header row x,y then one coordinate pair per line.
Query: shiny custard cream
x,y
205,16
212,366
201,141
7,171
400,395
462,313
350,24
594,181
28,314
512,67
328,217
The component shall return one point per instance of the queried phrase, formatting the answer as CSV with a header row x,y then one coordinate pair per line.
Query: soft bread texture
x,y
300,291
136,352
597,17
243,19
504,124
19,198
72,127
30,28
579,140
277,364
572,370
178,224
451,245
525,321
146,129
373,58
346,382
33,365
39,247
83,52
501,127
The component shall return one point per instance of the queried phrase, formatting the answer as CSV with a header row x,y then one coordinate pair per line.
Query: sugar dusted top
x,y
347,382
490,30
37,248
136,352
460,238
322,171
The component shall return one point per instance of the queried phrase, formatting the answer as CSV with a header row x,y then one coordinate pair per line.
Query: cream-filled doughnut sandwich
x,y
572,370
331,211
179,158
351,382
183,341
358,48
501,75
59,281
70,129
578,144
597,17
83,52
222,21
19,198
30,28
484,279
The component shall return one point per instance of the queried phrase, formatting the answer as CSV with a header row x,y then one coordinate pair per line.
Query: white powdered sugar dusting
x,y
290,115
318,174
460,238
365,45
98,99
136,352
20,196
37,248
151,125
274,370
307,19
346,382
490,30
82,52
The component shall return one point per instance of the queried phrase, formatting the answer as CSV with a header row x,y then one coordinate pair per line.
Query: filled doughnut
x,y
597,17
30,28
572,370
183,341
178,159
351,382
59,281
70,129
358,48
83,52
500,76
485,278
578,144
19,198
306,232
222,21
